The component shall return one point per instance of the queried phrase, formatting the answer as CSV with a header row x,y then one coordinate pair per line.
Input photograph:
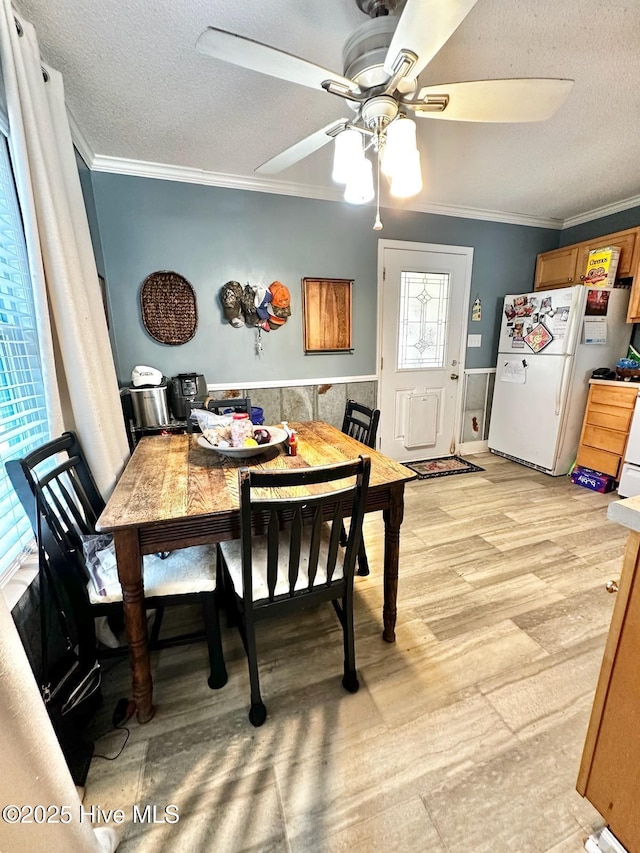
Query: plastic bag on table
x,y
210,420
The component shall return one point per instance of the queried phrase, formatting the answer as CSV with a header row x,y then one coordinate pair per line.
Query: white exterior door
x,y
423,307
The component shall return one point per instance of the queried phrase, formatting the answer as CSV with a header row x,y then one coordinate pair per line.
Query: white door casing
x,y
421,346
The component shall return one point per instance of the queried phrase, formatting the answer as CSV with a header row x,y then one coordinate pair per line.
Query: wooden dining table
x,y
173,494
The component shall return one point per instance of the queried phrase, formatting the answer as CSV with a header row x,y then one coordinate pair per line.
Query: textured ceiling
x,y
139,91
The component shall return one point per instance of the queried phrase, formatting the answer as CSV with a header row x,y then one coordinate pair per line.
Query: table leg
x,y
130,574
392,522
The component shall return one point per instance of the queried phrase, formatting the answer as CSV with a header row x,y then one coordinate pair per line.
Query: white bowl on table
x,y
278,435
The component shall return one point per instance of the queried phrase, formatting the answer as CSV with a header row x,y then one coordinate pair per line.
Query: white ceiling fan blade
x,y
301,149
535,99
248,53
424,26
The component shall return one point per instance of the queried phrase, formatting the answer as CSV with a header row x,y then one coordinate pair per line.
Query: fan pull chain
x,y
377,225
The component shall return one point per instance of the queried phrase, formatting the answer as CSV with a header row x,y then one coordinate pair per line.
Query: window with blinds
x,y
23,415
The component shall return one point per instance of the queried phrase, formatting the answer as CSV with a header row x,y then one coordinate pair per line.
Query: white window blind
x,y
23,415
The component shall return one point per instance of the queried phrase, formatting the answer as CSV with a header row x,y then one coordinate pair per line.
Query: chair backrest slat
x,y
55,481
88,516
295,549
71,503
58,513
272,553
334,540
314,549
361,422
58,474
310,522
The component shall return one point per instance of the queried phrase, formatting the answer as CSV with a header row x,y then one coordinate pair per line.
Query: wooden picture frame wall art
x,y
327,313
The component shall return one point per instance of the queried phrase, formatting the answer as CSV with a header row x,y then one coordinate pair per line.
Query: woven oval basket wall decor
x,y
168,305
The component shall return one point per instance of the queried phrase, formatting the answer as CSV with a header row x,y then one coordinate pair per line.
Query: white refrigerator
x,y
629,485
550,343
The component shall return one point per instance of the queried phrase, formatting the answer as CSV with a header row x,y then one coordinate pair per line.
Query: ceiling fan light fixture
x,y
359,188
400,141
347,155
382,61
406,180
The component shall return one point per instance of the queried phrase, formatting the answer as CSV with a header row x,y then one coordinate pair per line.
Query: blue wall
x,y
211,235
90,205
606,225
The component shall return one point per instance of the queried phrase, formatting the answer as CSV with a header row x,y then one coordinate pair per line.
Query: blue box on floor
x,y
593,480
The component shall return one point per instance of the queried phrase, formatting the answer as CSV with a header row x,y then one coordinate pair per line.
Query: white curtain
x,y
81,384
35,771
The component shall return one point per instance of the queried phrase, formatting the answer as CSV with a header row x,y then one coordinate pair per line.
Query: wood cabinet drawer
x,y
616,394
604,439
609,417
599,460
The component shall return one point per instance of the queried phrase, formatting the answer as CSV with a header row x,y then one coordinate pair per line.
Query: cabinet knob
x,y
570,278
611,586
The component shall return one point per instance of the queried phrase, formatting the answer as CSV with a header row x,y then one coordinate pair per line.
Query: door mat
x,y
441,467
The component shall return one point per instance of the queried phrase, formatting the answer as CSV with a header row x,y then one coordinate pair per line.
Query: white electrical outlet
x,y
474,340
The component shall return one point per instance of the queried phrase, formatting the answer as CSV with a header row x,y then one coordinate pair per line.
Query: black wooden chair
x,y
288,556
57,478
238,404
361,423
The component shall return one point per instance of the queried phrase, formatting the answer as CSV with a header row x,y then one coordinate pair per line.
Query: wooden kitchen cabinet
x,y
606,425
627,241
609,774
567,266
557,268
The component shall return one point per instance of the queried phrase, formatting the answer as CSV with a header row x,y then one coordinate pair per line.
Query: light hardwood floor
x,y
466,734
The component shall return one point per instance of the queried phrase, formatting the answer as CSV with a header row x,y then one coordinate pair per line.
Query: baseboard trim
x,y
473,447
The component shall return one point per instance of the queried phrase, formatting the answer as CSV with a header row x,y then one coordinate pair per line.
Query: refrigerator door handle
x,y
576,313
560,386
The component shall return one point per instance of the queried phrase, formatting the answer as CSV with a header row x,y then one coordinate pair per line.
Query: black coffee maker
x,y
183,388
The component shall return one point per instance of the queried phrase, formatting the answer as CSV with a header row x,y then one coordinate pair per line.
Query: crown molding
x,y
189,175
605,210
487,215
185,174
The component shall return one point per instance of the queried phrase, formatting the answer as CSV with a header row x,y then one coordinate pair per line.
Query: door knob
x,y
611,586
454,376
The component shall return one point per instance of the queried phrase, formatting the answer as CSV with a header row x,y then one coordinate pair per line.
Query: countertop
x,y
626,512
635,385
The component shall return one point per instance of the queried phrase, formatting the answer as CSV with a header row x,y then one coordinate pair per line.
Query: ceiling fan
x,y
382,61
